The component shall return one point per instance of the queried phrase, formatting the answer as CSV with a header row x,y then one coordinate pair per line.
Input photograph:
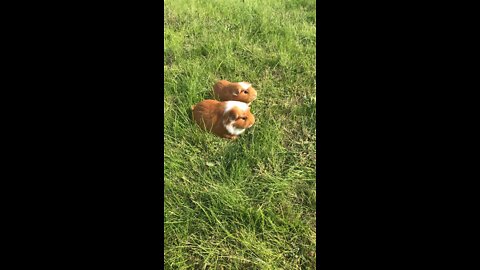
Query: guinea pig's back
x,y
206,113
219,90
218,86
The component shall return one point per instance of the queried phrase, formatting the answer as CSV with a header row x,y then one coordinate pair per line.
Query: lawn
x,y
249,203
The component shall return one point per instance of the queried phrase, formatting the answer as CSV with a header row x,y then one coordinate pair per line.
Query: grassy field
x,y
248,203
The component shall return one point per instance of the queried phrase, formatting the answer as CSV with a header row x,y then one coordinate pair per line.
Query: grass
x,y
248,203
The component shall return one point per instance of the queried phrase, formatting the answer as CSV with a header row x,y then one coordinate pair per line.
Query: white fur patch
x,y
230,104
245,85
233,130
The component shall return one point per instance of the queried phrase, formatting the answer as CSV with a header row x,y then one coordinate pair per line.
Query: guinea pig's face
x,y
242,92
241,118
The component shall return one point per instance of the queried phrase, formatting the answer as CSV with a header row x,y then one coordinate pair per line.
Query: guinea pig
x,y
224,91
226,119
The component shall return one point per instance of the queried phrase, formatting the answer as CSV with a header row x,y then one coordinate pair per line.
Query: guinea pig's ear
x,y
236,90
232,115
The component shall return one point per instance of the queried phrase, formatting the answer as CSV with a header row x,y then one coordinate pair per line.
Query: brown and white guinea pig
x,y
226,119
242,91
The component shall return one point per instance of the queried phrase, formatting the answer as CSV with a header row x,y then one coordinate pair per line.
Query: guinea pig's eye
x,y
246,92
244,118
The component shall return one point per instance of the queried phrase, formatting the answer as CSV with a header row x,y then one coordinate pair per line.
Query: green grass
x,y
248,203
